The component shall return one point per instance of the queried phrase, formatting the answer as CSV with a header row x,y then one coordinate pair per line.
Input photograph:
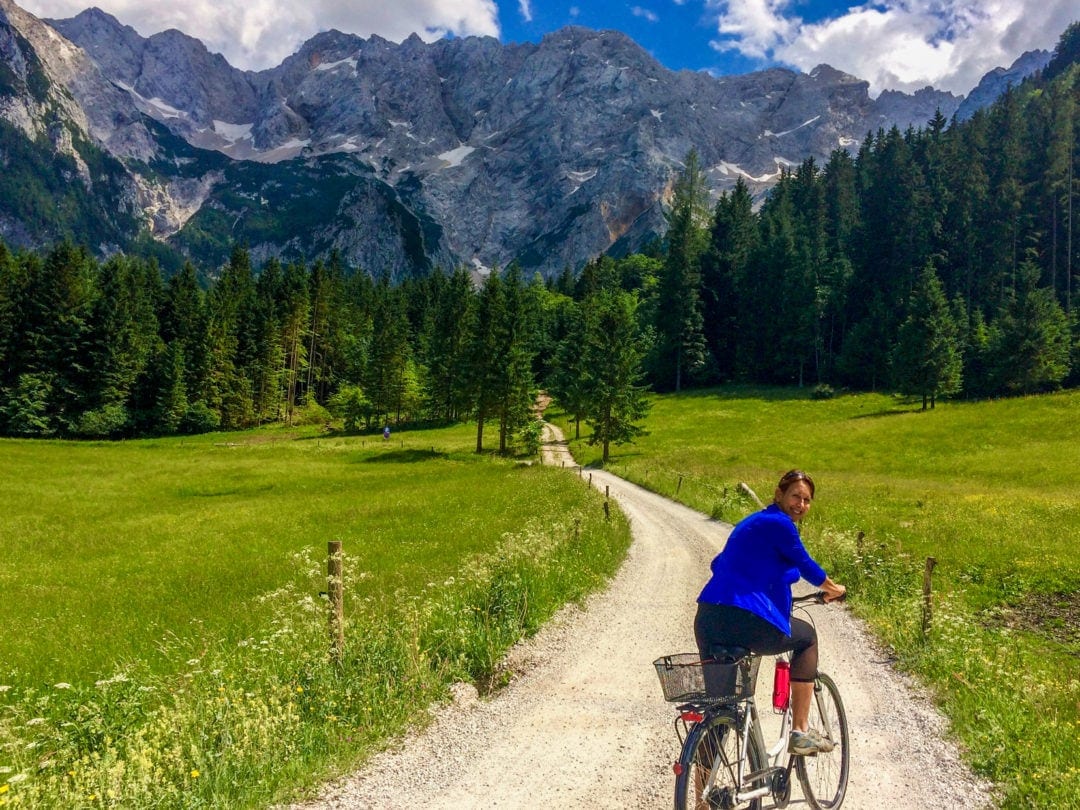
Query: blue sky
x,y
893,44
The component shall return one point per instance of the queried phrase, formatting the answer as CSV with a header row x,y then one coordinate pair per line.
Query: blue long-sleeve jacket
x,y
762,558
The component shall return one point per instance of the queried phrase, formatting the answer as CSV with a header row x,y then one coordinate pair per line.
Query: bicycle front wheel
x,y
709,766
824,776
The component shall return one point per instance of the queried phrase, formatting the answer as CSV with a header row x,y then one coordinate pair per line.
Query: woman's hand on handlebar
x,y
832,590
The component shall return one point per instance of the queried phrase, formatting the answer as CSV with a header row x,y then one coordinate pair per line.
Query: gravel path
x,y
583,724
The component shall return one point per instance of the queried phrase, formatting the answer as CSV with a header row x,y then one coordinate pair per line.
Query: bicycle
x,y
724,763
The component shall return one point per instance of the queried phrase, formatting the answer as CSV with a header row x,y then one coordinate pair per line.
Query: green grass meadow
x,y
989,489
165,624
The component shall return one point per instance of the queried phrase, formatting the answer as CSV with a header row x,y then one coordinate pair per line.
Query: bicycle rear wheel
x,y
824,776
708,772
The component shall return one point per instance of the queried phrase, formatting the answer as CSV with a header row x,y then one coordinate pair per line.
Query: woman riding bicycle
x,y
747,601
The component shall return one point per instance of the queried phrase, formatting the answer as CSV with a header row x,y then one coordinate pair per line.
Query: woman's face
x,y
795,503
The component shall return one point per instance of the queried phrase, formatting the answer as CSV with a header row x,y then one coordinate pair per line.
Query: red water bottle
x,y
781,688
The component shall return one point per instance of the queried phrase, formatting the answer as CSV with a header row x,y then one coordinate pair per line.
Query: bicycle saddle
x,y
724,654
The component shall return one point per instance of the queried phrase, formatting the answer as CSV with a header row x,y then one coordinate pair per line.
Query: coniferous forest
x,y
939,262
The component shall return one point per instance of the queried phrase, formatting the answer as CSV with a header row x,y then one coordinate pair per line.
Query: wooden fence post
x,y
678,486
744,487
334,588
927,595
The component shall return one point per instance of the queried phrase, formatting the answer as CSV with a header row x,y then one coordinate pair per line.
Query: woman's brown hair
x,y
791,476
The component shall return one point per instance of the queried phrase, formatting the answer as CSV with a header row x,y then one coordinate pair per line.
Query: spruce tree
x,y
926,361
446,343
485,349
1033,342
182,319
611,364
229,305
680,340
516,342
733,239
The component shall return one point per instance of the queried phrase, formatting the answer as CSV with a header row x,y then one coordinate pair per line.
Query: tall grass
x,y
988,489
168,643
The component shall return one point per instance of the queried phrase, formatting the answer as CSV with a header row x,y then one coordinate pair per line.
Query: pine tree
x,y
611,364
446,344
895,235
182,320
1066,53
680,341
13,286
567,381
516,342
294,310
926,361
229,306
268,354
732,242
390,354
123,335
485,361
170,400
1032,342
841,226
54,342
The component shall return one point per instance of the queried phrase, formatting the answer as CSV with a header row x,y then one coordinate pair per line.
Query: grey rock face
x,y
994,83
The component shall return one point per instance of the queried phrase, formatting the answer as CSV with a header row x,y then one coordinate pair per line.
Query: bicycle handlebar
x,y
816,598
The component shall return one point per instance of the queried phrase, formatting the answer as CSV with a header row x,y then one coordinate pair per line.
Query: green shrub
x,y
108,421
200,418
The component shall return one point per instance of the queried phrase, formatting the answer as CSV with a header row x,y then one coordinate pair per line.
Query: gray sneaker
x,y
802,744
824,744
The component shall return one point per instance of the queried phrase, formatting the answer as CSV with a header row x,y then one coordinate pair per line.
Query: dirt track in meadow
x,y
583,724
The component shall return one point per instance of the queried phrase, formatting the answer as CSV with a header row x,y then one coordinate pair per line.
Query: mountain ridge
x,y
462,151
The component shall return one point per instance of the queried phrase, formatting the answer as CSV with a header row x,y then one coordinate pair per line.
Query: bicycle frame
x,y
747,725
751,726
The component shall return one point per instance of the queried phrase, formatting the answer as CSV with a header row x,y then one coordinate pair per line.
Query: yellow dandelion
x,y
194,773
4,788
299,689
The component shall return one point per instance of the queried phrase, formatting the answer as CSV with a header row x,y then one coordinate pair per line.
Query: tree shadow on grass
x,y
410,456
882,414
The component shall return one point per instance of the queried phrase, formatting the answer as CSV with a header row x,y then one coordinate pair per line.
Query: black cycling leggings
x,y
726,626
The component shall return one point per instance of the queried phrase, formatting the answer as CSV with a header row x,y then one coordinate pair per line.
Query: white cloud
x,y
897,44
258,34
753,27
645,14
526,10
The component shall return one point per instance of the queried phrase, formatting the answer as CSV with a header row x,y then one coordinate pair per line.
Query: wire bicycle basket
x,y
686,677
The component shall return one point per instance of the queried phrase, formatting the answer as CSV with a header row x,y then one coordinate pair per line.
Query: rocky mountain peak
x,y
994,83
464,150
